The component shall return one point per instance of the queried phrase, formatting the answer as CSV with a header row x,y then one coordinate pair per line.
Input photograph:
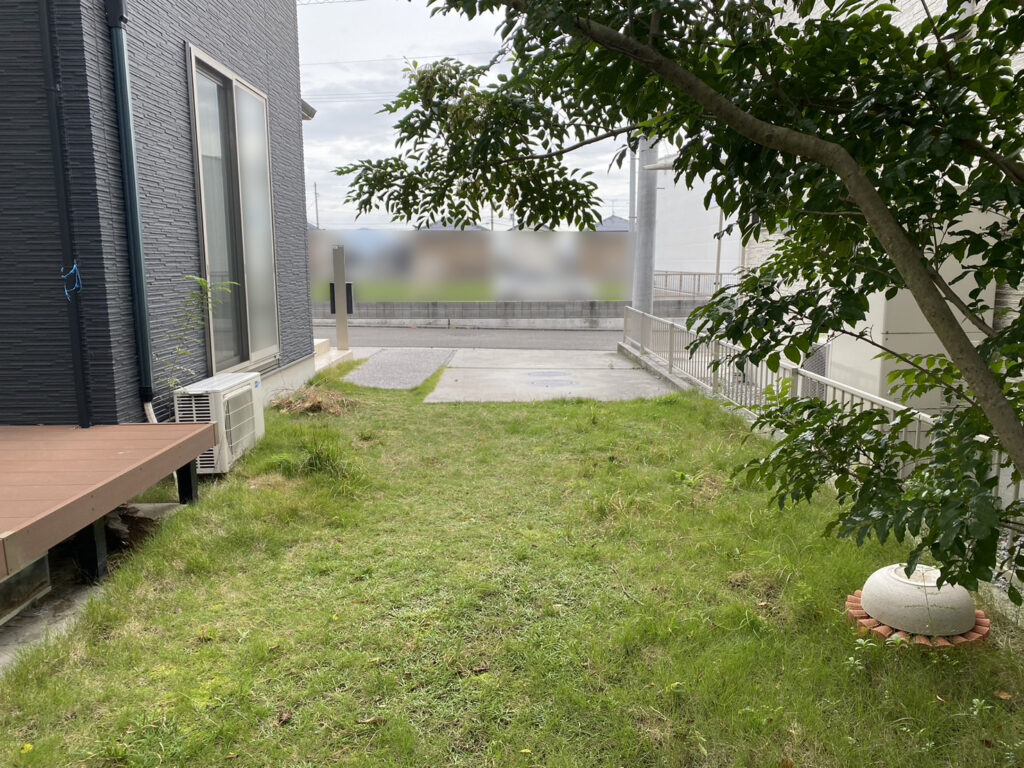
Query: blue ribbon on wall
x,y
76,277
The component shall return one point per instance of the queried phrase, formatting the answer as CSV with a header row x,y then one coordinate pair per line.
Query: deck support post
x,y
91,550
188,483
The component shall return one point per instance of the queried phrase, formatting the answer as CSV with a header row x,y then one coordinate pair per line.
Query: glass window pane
x,y
222,253
257,220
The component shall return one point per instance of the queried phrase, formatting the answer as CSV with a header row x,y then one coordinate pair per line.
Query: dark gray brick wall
x,y
91,152
258,40
36,377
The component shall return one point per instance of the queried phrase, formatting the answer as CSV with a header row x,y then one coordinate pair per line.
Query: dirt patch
x,y
765,591
269,481
315,400
704,490
739,580
656,727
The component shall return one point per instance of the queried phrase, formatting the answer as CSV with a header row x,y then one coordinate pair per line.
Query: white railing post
x,y
671,344
714,371
644,324
796,388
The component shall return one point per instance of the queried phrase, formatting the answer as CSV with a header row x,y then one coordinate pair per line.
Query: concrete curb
x,y
632,354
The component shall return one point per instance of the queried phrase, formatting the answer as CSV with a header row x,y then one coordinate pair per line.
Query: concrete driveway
x,y
510,375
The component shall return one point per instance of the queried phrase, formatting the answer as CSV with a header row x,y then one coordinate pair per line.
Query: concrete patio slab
x,y
528,375
539,359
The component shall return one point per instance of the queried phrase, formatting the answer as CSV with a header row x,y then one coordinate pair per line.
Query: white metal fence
x,y
691,284
664,344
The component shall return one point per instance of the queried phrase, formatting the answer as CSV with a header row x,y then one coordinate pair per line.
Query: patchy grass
x,y
555,584
165,490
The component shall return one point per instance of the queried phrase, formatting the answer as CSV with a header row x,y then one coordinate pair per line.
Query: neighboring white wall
x,y
899,325
756,252
1008,301
684,239
853,362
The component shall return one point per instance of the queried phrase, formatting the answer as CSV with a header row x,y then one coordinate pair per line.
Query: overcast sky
x,y
352,55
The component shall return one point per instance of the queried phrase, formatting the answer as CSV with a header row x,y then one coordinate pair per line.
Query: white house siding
x,y
1008,302
684,238
756,252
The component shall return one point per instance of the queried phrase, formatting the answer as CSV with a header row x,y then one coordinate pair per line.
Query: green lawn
x,y
559,584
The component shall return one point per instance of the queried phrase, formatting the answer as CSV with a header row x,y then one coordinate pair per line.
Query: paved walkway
x,y
509,375
397,368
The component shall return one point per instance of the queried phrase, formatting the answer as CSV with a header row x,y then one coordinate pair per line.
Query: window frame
x,y
200,62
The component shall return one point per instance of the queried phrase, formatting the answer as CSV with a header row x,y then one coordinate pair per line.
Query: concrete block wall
x,y
510,310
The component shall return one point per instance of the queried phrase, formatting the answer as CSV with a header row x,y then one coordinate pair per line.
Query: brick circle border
x,y
859,618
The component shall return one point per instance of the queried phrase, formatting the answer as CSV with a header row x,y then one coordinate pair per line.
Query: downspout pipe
x,y
83,406
117,20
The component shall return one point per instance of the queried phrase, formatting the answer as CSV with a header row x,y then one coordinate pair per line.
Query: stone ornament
x,y
915,609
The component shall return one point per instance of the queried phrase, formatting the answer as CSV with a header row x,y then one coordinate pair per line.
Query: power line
x,y
319,96
329,97
395,58
326,2
353,99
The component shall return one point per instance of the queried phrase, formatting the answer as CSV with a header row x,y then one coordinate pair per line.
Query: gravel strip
x,y
399,368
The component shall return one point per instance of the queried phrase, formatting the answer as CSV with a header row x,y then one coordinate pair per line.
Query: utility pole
x,y
643,242
316,204
632,191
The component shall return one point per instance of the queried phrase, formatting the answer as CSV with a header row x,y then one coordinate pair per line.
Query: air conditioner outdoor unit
x,y
232,401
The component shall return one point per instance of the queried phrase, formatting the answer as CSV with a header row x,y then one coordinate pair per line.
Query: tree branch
x,y
806,212
1013,169
941,47
578,145
956,301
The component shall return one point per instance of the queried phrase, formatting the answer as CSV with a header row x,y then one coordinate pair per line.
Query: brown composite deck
x,y
56,480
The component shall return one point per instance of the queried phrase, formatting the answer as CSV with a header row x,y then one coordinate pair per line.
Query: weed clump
x,y
321,456
317,458
315,400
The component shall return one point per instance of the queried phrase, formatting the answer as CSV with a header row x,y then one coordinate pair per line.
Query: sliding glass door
x,y
257,220
223,255
237,217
